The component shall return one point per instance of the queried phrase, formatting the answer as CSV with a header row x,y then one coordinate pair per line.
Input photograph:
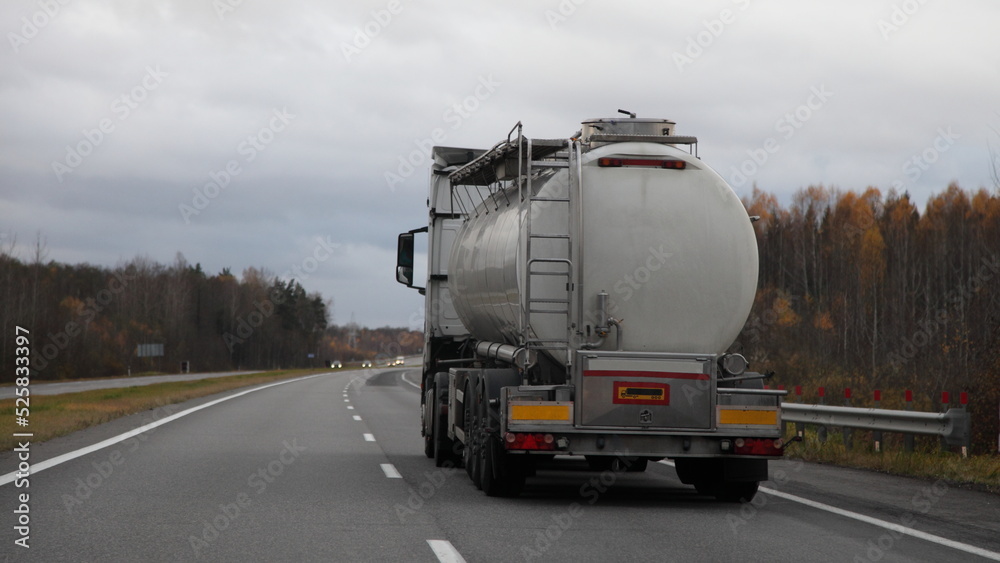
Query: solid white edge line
x,y
403,377
446,553
43,465
369,437
390,471
880,523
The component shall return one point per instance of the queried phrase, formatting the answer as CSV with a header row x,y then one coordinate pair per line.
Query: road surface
x,y
331,468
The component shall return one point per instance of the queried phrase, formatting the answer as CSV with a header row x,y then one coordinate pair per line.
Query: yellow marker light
x,y
754,417
540,412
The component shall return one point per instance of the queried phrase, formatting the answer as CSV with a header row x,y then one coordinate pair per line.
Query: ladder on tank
x,y
555,263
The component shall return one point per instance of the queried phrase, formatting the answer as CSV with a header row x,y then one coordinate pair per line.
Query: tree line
x,y
864,290
94,321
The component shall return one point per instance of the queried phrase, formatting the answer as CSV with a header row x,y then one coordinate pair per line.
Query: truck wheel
x,y
501,476
473,459
427,423
443,445
739,491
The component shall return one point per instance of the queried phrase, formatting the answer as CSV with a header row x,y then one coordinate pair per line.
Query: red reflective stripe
x,y
630,373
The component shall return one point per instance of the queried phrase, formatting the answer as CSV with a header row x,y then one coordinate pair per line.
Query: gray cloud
x,y
554,63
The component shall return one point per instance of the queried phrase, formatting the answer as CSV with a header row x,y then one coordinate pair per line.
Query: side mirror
x,y
404,259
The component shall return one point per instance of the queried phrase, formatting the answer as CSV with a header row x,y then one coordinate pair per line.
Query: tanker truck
x,y
581,294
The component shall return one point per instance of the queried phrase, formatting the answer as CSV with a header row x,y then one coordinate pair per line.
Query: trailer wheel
x,y
443,445
502,475
472,435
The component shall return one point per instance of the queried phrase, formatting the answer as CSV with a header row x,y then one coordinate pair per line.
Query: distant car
x,y
399,361
336,364
366,364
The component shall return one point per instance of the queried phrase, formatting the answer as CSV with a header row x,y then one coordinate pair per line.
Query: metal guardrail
x,y
954,426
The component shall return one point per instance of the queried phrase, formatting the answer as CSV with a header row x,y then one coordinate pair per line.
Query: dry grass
x,y
58,415
926,461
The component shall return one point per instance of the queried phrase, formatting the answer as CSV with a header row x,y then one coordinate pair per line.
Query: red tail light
x,y
608,162
757,446
525,441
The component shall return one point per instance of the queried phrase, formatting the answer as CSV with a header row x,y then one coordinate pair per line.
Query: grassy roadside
x,y
980,472
58,415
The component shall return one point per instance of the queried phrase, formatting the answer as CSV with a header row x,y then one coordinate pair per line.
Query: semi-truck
x,y
582,295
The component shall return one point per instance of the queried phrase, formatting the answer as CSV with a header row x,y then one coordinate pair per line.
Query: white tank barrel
x,y
674,250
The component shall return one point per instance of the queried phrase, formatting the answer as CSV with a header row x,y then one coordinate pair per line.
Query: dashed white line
x,y
446,553
369,437
390,471
350,408
347,400
356,417
880,523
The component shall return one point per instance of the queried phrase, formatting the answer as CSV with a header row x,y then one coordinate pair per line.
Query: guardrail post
x,y
800,427
945,405
877,434
821,431
845,430
963,400
784,425
908,438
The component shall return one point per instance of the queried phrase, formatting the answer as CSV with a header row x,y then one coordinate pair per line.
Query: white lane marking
x,y
356,417
350,408
880,523
369,437
390,471
446,553
347,400
43,465
403,377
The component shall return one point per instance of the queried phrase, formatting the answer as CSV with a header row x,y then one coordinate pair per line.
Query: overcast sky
x,y
274,134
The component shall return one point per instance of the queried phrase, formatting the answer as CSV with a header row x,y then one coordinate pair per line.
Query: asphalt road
x,y
331,468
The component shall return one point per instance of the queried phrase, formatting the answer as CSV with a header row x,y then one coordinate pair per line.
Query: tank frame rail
x,y
692,142
501,162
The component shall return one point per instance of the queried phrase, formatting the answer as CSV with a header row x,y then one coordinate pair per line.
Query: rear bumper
x,y
616,442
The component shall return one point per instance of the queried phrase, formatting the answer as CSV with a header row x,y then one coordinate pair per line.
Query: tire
x,y
473,434
443,445
502,476
739,491
428,435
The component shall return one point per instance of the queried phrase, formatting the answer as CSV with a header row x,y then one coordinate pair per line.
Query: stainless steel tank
x,y
674,249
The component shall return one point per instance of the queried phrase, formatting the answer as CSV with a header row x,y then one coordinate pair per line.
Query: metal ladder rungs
x,y
555,199
564,274
563,301
550,236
